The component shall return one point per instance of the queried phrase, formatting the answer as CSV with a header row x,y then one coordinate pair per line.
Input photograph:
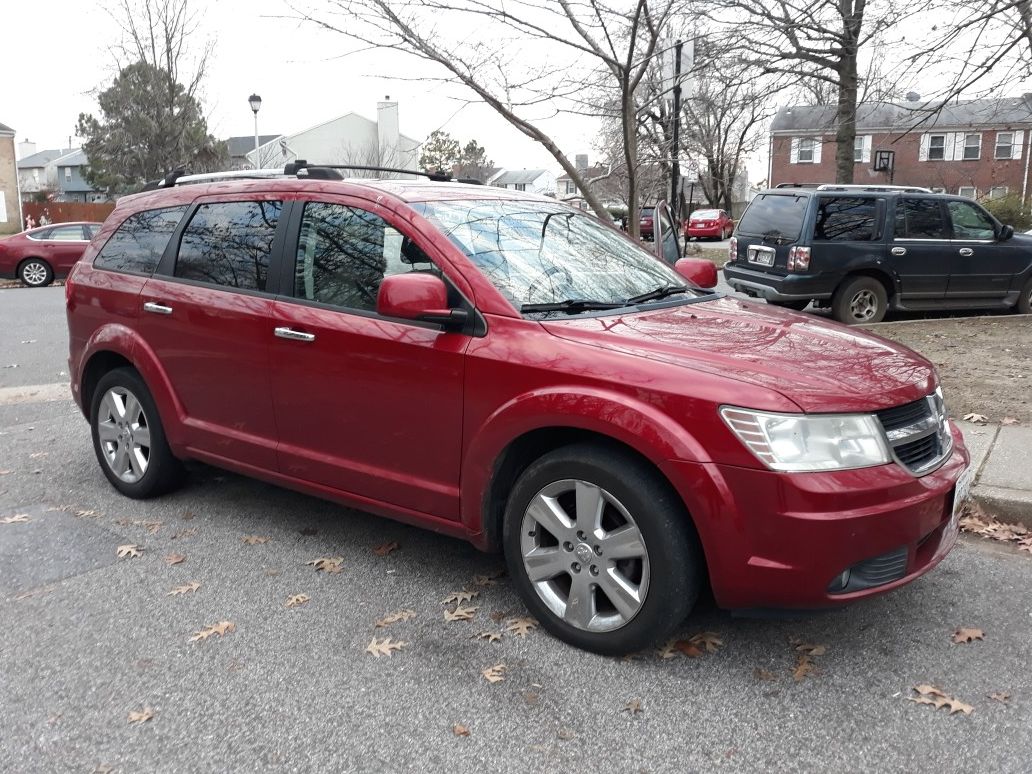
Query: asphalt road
x,y
87,638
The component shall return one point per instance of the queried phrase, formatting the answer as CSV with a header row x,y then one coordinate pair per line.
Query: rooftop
x,y
518,177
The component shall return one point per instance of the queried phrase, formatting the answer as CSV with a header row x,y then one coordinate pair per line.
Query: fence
x,y
63,212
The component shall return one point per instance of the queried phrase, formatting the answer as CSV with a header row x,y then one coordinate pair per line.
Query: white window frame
x,y
938,147
806,145
971,188
994,192
571,187
1009,145
68,174
939,189
967,145
520,186
862,148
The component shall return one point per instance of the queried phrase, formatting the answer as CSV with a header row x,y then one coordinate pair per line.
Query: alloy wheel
x,y
34,273
584,555
864,305
124,434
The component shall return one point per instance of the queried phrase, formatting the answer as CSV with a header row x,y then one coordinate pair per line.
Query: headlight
x,y
798,442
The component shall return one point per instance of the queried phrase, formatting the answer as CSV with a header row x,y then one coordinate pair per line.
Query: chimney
x,y
26,148
580,161
387,133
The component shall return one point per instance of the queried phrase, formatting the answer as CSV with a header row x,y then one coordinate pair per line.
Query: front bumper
x,y
777,287
777,540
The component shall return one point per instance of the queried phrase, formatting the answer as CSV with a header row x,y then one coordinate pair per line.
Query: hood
x,y
819,365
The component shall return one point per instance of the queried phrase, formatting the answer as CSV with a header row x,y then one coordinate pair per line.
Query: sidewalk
x,y
1002,459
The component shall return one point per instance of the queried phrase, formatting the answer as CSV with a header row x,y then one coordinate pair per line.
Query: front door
x,y
365,405
920,250
984,266
208,318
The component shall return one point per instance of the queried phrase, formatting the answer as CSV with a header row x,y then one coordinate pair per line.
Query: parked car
x,y
502,368
39,255
862,250
708,224
645,227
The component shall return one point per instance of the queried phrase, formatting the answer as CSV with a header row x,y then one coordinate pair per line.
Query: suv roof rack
x,y
873,188
796,185
300,169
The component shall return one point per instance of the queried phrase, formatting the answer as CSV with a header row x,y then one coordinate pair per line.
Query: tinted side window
x,y
229,243
841,219
970,222
343,254
138,243
919,219
66,234
779,215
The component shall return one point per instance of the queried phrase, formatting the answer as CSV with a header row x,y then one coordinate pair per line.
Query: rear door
x,y
983,266
920,251
207,315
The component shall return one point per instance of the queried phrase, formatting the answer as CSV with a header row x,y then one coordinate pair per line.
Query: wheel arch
x,y
882,274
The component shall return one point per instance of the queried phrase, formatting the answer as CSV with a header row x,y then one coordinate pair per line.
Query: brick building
x,y
977,148
10,202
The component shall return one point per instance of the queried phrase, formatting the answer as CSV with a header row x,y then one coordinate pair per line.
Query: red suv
x,y
505,369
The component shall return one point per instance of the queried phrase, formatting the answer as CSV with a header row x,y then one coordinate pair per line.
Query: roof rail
x,y
873,188
796,185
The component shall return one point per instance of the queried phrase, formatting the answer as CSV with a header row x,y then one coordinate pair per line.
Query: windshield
x,y
540,253
703,214
774,215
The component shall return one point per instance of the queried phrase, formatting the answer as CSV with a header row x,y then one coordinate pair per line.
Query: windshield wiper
x,y
660,292
572,306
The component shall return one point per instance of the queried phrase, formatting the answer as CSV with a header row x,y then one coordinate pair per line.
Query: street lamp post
x,y
255,102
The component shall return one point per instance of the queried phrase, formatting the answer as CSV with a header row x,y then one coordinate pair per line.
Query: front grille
x,y
918,433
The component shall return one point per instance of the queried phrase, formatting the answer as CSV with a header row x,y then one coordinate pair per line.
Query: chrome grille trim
x,y
918,434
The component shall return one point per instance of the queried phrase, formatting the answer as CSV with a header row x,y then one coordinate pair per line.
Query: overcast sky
x,y
61,57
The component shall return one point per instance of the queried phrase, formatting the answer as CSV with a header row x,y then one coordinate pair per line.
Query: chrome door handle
x,y
150,306
899,251
290,333
966,252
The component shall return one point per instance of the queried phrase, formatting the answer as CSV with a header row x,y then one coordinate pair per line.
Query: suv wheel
x,y
36,273
1025,299
860,300
601,549
128,437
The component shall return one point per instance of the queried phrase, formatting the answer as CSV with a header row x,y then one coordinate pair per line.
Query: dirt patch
x,y
985,362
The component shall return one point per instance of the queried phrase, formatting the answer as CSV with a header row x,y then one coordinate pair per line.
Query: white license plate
x,y
762,257
960,495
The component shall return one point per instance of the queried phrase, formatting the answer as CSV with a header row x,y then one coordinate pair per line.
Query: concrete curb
x,y
1003,475
1009,505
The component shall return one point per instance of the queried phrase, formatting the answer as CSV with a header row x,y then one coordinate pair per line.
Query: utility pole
x,y
675,167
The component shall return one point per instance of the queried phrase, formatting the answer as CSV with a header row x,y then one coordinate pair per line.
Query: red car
x,y
39,255
645,223
708,224
453,356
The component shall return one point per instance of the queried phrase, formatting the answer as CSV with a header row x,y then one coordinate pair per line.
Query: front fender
x,y
637,424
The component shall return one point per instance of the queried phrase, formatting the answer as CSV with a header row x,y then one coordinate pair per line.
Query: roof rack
x,y
300,169
796,185
873,188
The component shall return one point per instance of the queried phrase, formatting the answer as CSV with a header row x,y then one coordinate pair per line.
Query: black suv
x,y
863,250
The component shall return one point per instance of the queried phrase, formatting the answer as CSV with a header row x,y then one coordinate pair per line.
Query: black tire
x,y
163,471
671,546
35,273
795,305
1024,305
859,301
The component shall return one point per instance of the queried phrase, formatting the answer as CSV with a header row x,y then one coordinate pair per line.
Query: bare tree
x,y
812,40
539,58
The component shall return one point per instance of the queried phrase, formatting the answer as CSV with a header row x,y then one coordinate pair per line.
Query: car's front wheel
x,y
128,437
35,272
601,549
860,300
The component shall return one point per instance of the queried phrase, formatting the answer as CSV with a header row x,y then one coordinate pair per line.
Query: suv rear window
x,y
778,215
845,219
137,245
229,243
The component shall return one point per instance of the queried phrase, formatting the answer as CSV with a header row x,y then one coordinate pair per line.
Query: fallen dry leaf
x,y
128,551
384,647
85,513
18,518
328,564
488,579
6,472
1010,421
386,548
1001,696
254,540
762,674
172,559
808,649
460,613
633,707
688,649
494,674
804,666
459,596
186,588
566,734
222,628
709,640
521,626
668,649
188,515
141,717
395,617
297,600
38,455
972,417
489,636
460,730
929,694
963,635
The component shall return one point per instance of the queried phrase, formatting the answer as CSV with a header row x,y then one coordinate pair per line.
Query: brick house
x,y
10,201
977,148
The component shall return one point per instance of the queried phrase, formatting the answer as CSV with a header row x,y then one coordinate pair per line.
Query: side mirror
x,y
698,271
1006,232
417,296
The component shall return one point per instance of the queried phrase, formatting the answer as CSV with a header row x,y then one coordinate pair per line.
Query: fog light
x,y
840,582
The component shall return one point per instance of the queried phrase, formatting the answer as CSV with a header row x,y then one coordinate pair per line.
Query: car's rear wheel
x,y
860,300
35,272
601,549
796,305
1025,299
128,437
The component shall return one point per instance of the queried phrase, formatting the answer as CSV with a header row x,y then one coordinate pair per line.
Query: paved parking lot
x,y
88,638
